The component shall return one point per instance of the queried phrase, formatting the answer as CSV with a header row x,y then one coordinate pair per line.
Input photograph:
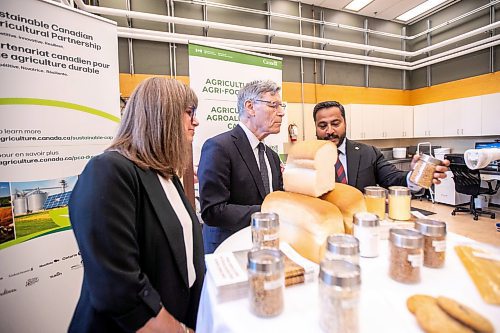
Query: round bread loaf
x,y
305,222
349,200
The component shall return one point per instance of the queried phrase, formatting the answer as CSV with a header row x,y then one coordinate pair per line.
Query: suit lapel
x,y
353,157
245,150
274,168
167,217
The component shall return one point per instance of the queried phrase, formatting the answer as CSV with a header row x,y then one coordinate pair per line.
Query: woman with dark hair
x,y
139,237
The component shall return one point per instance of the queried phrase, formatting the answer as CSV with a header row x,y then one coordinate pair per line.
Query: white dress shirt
x,y
187,225
254,143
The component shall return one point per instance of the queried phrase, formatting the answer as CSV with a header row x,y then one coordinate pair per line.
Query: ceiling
x,y
382,9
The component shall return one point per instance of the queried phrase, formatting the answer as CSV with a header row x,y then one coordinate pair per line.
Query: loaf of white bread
x,y
305,221
349,200
310,168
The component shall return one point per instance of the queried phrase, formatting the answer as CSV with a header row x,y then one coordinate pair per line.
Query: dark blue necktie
x,y
263,167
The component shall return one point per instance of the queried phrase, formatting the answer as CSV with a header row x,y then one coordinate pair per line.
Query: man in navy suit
x,y
365,164
237,170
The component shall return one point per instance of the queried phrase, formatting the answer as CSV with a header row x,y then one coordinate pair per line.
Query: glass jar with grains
x,y
339,290
405,255
342,247
375,200
434,233
423,173
265,230
266,278
399,203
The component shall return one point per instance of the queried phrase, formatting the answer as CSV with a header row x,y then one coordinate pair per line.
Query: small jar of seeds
x,y
434,233
266,278
265,230
405,255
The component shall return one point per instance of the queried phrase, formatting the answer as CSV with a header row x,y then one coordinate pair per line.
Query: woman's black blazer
x,y
132,246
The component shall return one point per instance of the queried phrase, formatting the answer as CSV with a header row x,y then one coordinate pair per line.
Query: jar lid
x,y
375,191
265,220
399,190
430,159
407,238
430,227
342,244
340,273
365,219
265,260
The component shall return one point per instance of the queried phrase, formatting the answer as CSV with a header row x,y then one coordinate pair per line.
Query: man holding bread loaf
x,y
237,170
359,164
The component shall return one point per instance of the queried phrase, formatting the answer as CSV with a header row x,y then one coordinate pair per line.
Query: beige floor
x,y
483,230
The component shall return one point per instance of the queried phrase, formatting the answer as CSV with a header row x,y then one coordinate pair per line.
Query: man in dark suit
x,y
236,169
365,164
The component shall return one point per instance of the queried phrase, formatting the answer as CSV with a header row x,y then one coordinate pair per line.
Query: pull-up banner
x,y
217,75
59,106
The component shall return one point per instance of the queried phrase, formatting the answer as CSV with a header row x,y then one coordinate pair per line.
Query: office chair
x,y
468,182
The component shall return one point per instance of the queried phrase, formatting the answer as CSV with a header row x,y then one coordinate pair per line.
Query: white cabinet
x,y
428,120
463,117
368,121
490,117
397,121
365,122
405,127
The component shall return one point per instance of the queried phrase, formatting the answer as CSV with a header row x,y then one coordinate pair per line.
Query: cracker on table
x,y
417,300
465,315
432,319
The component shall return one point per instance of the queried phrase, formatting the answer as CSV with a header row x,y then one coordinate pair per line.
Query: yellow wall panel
x,y
473,86
128,82
314,93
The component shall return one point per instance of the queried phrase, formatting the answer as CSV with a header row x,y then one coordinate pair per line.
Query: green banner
x,y
233,56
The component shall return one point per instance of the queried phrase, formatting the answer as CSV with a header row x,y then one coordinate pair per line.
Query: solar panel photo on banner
x,y
57,200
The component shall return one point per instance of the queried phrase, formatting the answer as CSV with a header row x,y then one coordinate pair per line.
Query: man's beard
x,y
332,136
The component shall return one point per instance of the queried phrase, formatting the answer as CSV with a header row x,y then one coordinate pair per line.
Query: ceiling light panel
x,y
357,5
420,9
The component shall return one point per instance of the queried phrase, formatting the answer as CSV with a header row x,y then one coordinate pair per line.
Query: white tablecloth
x,y
382,302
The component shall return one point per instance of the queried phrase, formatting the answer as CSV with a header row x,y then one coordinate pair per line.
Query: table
x,y
382,302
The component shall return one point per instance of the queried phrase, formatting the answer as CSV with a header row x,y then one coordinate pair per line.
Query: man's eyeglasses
x,y
271,104
191,112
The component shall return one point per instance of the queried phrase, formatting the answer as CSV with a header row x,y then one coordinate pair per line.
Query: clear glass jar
x,y
405,255
266,279
399,203
366,228
424,170
265,230
434,233
375,200
339,290
342,247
